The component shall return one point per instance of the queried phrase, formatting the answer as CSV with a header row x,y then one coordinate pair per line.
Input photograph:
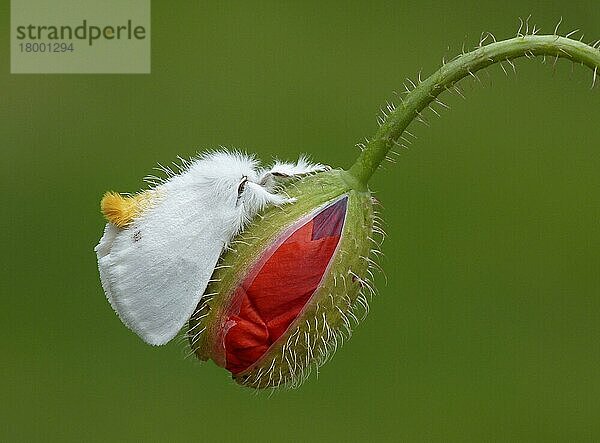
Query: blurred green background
x,y
489,326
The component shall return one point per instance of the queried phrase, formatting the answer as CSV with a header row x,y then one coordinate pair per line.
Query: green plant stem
x,y
450,73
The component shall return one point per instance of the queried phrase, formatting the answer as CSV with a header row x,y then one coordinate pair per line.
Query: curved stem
x,y
449,74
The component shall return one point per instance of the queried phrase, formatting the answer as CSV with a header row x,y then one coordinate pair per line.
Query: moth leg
x,y
288,170
122,210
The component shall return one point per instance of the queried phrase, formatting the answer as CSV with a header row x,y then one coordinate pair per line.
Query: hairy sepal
x,y
328,317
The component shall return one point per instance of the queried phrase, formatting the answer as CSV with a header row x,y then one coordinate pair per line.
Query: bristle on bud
x,y
293,290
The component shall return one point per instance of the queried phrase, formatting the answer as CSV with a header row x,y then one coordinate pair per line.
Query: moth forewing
x,y
159,266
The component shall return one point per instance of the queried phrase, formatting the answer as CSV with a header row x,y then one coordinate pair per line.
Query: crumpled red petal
x,y
279,285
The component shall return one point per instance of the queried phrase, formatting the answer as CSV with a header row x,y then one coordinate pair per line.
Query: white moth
x,y
155,269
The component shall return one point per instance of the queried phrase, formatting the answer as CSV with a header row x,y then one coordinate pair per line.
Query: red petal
x,y
279,285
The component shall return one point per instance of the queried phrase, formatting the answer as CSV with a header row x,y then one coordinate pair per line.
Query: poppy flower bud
x,y
292,286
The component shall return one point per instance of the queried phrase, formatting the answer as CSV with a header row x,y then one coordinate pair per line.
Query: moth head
x,y
253,196
235,182
221,176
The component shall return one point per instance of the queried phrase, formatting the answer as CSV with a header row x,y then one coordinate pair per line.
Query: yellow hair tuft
x,y
120,210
